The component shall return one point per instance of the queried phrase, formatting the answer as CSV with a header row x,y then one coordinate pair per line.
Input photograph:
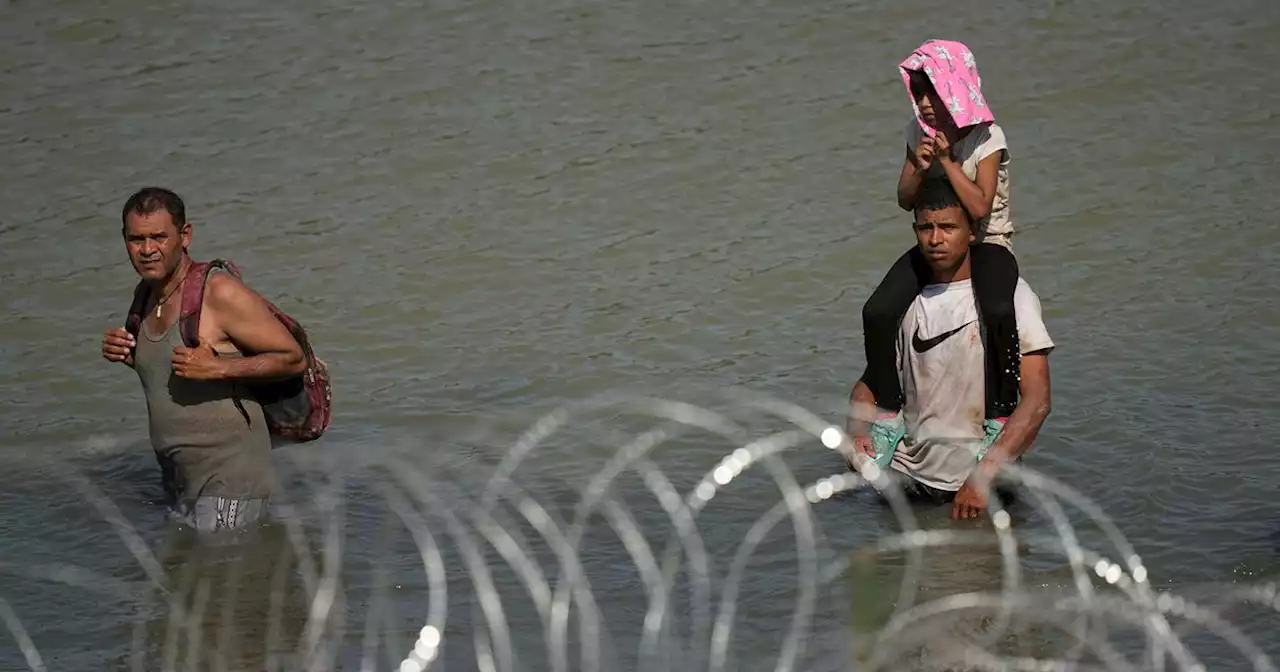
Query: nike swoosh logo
x,y
923,346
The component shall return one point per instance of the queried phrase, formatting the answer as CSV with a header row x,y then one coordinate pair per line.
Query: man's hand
x,y
925,152
970,501
199,363
117,345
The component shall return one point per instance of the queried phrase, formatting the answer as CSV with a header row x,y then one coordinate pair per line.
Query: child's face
x,y
932,110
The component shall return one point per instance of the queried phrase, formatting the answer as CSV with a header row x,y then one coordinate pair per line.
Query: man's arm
x,y
862,411
1034,403
1035,400
270,351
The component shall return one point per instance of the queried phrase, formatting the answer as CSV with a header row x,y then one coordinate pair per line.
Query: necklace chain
x,y
165,299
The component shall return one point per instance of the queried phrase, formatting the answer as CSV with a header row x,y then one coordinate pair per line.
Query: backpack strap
x,y
133,319
193,296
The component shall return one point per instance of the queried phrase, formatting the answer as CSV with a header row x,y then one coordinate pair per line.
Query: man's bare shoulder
x,y
227,292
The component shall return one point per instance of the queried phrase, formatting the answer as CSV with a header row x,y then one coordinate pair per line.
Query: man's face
x,y
155,243
944,237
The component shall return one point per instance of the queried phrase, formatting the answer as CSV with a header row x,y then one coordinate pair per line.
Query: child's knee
x,y
996,265
880,310
1000,307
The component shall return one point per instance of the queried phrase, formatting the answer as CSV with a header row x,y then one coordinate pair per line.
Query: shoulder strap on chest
x,y
133,319
193,296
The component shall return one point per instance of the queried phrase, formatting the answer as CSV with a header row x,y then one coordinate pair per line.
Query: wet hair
x,y
150,200
920,84
937,194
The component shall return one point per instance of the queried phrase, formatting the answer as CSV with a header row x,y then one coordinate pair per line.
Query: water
x,y
485,211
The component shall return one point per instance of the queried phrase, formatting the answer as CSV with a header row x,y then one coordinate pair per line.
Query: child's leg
x,y
995,277
881,315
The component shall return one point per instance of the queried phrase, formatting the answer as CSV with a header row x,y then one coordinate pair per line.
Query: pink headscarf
x,y
954,73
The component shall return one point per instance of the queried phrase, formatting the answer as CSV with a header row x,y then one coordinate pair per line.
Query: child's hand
x,y
942,146
925,153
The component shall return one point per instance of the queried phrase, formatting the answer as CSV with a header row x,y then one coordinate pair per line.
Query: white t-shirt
x,y
981,142
945,385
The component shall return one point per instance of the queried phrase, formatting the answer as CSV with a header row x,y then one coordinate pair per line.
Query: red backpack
x,y
298,409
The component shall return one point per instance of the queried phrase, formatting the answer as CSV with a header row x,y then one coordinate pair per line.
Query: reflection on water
x,y
975,563
402,560
234,601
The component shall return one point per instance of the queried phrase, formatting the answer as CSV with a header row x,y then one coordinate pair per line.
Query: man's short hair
x,y
150,200
938,194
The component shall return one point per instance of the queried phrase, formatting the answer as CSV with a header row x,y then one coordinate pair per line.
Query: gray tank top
x,y
206,442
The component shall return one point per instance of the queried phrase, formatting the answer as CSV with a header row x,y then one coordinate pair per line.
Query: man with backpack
x,y
223,371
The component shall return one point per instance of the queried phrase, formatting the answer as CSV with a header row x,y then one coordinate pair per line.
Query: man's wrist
x,y
221,367
989,465
993,460
238,369
982,475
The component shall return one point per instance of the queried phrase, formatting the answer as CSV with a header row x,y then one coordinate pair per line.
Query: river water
x,y
486,211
